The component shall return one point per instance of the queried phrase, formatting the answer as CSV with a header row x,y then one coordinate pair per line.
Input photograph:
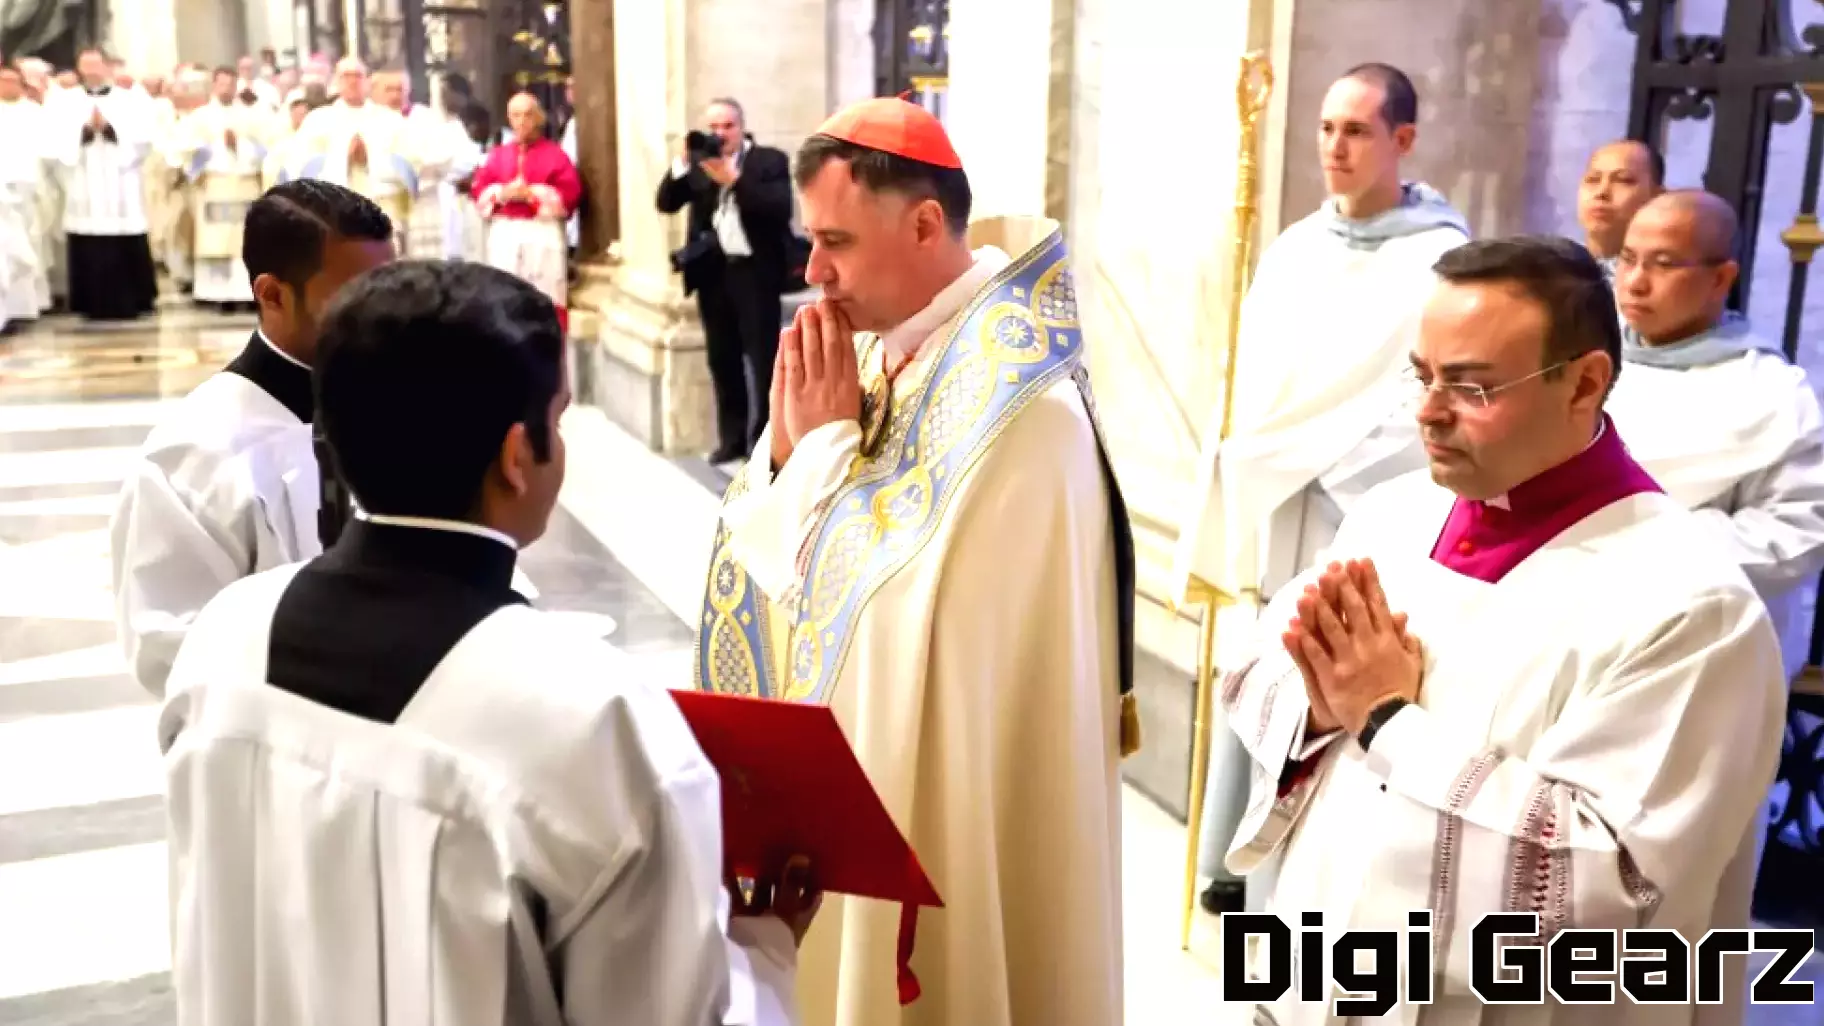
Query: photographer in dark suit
x,y
740,200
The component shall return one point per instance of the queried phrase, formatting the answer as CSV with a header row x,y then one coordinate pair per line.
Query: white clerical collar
x,y
287,357
1503,502
437,524
911,333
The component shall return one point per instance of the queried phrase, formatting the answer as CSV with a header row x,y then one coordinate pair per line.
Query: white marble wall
x,y
1151,216
789,64
997,113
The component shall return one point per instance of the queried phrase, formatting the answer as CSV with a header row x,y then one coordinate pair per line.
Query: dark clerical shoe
x,y
726,454
1224,896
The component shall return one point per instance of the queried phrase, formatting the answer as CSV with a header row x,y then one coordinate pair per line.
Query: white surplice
x,y
389,176
226,486
1326,331
22,186
1741,442
438,142
225,182
104,195
979,694
536,840
1594,738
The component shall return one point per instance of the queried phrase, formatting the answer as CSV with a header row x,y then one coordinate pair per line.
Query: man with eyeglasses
x,y
1324,333
1714,411
1529,683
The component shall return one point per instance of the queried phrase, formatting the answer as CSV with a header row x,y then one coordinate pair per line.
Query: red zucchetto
x,y
892,125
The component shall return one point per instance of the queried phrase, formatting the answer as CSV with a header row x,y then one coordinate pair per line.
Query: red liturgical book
x,y
791,785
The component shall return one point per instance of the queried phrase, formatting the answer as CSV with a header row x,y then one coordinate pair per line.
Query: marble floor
x,y
82,875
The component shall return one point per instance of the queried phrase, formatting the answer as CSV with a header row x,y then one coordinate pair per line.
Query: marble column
x,y
788,64
592,39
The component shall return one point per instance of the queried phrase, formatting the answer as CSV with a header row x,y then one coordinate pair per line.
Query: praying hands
x,y
1352,649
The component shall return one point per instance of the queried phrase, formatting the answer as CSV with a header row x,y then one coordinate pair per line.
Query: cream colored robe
x,y
1741,442
980,696
224,184
390,175
1594,738
157,181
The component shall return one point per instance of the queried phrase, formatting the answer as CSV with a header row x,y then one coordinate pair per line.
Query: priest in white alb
x,y
397,794
102,136
929,541
1527,683
220,148
227,483
1714,411
1324,333
22,175
360,144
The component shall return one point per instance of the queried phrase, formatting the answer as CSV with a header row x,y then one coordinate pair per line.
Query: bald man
x,y
434,144
1715,413
526,190
360,144
1620,177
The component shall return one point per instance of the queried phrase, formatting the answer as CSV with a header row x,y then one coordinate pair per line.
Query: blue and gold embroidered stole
x,y
1017,337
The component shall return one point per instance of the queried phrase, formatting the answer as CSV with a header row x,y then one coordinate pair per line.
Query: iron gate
x,y
1756,73
912,50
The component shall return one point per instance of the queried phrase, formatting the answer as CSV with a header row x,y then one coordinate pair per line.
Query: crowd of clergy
x,y
112,175
1517,538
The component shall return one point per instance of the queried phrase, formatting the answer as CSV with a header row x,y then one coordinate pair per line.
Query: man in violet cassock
x,y
1317,418
930,542
1714,411
526,191
103,135
1620,177
1529,683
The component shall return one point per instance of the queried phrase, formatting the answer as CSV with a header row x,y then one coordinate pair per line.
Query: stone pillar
x,y
592,39
788,63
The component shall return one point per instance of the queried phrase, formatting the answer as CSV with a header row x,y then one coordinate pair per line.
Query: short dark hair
x,y
1558,274
889,172
422,368
223,69
1399,100
288,227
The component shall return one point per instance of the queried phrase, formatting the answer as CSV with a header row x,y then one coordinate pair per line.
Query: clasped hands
x,y
793,897
816,380
1352,649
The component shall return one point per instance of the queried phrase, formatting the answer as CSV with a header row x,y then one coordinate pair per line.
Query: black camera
x,y
703,145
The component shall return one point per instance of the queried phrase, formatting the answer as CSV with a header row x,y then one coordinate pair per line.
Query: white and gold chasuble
x,y
960,595
1593,740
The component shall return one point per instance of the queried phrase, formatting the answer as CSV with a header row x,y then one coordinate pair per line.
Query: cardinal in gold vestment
x,y
929,540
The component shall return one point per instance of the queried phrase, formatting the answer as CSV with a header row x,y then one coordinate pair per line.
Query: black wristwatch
x,y
1377,718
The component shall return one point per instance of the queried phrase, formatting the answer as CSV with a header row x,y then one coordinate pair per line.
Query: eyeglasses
x,y
1462,394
